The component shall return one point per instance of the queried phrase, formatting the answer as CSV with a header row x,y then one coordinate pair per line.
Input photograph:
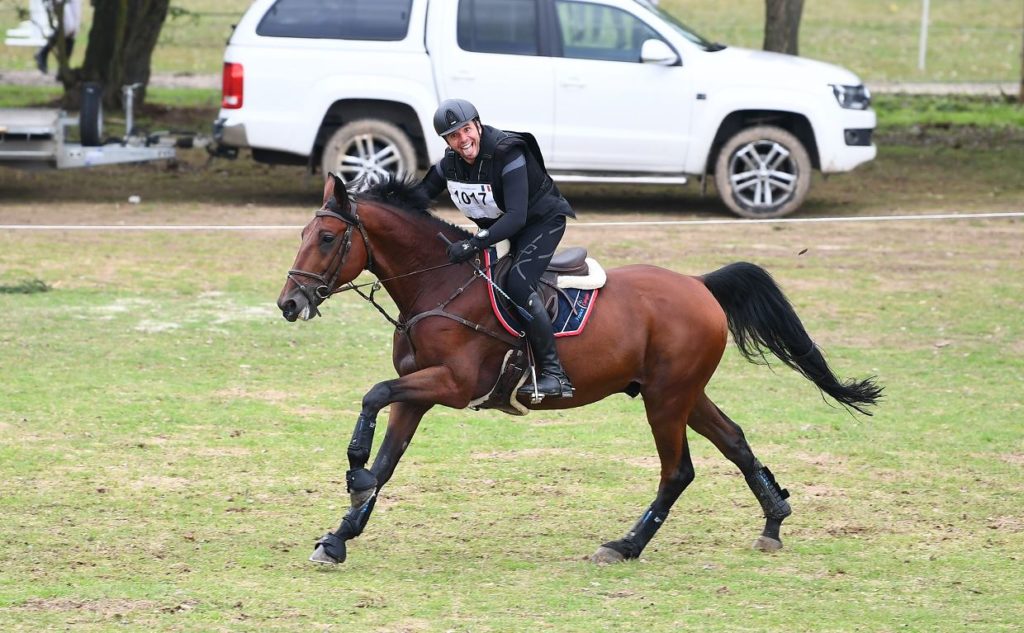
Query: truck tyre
x,y
90,115
763,172
368,149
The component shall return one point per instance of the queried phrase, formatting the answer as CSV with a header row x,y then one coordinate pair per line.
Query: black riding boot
x,y
551,379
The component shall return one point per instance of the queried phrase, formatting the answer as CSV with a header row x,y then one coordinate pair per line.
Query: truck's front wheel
x,y
763,172
368,149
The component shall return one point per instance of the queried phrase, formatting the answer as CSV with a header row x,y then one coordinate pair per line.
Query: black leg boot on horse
x,y
551,379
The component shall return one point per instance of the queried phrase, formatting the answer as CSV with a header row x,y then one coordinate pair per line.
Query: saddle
x,y
567,289
569,270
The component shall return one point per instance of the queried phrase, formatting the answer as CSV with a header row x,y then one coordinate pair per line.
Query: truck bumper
x,y
225,132
849,158
848,144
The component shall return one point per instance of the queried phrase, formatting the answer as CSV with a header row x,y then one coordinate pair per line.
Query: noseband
x,y
317,293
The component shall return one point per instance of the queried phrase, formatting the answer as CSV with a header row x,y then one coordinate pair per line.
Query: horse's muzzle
x,y
297,306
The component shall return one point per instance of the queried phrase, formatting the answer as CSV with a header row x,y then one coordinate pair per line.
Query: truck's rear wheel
x,y
368,149
763,172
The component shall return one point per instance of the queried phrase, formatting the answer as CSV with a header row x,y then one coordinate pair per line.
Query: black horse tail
x,y
761,318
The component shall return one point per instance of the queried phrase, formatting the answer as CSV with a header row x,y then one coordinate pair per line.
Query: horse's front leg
x,y
412,396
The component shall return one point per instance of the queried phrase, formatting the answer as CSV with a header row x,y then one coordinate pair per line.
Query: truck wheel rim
x,y
369,156
763,175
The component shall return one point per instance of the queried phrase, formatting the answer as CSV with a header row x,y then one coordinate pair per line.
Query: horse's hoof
x,y
320,556
767,544
606,556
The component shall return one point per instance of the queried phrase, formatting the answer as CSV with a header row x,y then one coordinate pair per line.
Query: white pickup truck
x,y
615,91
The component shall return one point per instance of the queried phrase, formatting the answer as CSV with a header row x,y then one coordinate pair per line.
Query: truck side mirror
x,y
657,52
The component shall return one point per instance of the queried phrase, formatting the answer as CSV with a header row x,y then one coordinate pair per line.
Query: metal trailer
x,y
35,139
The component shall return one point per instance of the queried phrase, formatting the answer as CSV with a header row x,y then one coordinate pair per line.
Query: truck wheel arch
x,y
795,124
398,114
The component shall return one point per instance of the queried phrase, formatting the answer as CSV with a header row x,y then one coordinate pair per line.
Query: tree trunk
x,y
145,20
103,58
782,25
121,42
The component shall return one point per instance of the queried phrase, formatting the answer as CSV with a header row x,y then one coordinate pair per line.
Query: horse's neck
x,y
404,246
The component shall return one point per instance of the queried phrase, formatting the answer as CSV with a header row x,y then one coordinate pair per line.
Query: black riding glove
x,y
463,250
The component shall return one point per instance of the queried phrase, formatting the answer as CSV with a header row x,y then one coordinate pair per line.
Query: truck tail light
x,y
231,86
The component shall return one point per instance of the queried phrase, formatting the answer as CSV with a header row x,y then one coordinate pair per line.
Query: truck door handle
x,y
573,82
463,75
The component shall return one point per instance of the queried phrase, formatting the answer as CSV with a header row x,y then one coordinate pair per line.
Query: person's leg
x,y
43,54
533,248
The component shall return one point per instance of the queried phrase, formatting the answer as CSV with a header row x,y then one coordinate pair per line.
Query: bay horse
x,y
654,333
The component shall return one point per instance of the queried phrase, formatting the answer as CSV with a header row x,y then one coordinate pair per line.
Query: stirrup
x,y
532,390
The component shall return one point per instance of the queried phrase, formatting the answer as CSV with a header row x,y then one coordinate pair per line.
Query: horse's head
x,y
328,257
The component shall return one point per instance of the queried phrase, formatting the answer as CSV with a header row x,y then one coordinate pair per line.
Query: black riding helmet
x,y
453,114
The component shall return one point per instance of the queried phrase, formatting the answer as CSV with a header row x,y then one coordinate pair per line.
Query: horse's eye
x,y
327,238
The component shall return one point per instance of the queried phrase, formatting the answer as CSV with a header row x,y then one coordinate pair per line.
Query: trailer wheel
x,y
90,116
368,149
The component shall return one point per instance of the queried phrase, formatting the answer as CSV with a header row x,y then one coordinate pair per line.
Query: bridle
x,y
317,293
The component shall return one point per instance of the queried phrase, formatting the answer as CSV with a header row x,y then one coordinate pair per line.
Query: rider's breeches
x,y
532,249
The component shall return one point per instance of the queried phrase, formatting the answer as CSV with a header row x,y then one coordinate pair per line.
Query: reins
x,y
376,285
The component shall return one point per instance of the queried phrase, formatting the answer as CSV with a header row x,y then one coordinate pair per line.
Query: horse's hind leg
x,y
708,420
668,424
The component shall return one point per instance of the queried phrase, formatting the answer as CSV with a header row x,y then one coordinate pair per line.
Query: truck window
x,y
386,20
593,31
498,26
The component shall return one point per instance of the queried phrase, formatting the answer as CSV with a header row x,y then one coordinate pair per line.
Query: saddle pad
x,y
574,306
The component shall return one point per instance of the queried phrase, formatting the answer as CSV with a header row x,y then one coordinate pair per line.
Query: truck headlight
x,y
852,97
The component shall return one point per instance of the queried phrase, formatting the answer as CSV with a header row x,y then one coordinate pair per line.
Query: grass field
x,y
170,447
977,41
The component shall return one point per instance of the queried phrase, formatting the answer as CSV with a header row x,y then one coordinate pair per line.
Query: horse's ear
x,y
334,188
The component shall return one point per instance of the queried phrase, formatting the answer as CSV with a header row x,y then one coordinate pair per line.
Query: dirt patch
x,y
1017,459
107,607
155,482
652,462
269,396
1007,523
527,453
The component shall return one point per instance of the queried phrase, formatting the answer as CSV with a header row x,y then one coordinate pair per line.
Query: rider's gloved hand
x,y
463,250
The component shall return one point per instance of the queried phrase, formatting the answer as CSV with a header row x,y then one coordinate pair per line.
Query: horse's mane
x,y
404,194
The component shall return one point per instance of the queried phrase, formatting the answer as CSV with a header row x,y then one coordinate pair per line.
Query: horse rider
x,y
498,180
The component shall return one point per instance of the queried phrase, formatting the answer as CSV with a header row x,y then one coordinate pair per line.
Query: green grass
x,y
191,42
978,41
170,447
19,96
950,110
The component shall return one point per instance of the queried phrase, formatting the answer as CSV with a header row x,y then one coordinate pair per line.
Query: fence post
x,y
922,47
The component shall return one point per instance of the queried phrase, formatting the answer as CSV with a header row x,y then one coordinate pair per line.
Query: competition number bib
x,y
475,200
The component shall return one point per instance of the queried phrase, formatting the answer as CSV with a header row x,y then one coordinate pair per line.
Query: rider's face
x,y
465,141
